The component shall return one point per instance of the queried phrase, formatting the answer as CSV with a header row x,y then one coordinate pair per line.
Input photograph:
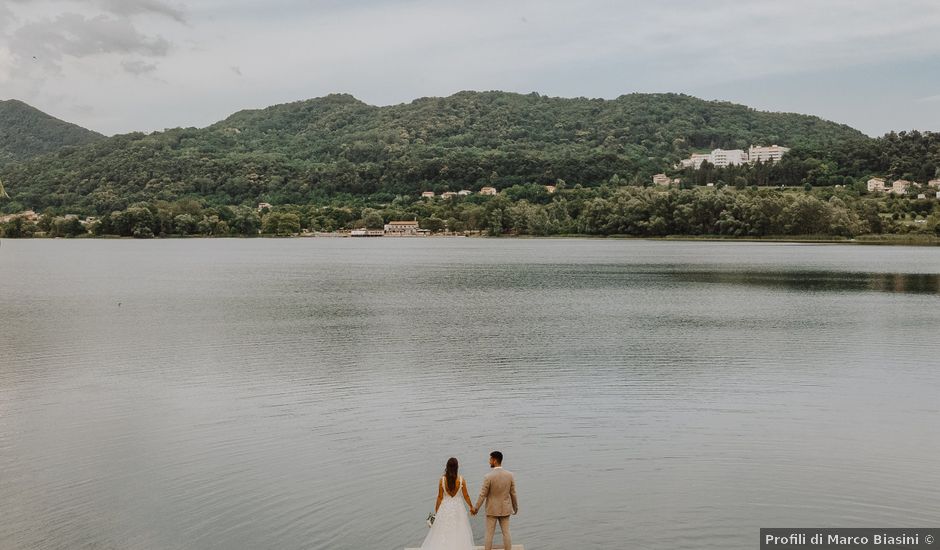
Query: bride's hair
x,y
450,474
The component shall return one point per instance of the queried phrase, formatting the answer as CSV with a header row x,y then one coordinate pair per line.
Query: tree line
x,y
530,210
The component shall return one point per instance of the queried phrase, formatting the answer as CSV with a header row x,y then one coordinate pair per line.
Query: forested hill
x,y
27,132
305,151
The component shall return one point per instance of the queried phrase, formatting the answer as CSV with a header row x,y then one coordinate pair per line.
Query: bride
x,y
451,527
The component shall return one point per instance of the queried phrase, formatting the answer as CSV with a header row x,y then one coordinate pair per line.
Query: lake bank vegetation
x,y
726,211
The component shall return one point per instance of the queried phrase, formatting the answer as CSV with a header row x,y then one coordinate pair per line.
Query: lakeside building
x,y
366,233
427,195
448,194
766,154
28,215
488,191
876,185
401,228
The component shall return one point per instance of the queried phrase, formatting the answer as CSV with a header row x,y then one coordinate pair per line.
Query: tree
x,y
246,222
67,226
373,220
17,228
432,224
289,224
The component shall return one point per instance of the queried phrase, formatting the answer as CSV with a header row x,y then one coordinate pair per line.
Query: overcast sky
x,y
123,65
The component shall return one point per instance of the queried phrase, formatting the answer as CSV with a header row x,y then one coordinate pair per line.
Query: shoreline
x,y
873,240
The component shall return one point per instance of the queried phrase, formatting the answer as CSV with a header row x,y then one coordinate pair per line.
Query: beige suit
x,y
499,492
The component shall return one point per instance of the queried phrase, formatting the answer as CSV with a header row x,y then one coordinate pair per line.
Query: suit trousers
x,y
503,528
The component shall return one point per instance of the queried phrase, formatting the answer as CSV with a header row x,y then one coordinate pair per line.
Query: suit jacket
x,y
499,492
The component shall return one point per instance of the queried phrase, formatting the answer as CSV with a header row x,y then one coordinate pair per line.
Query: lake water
x,y
305,393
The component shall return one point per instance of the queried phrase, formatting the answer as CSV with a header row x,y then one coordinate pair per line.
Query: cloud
x,y
7,64
138,7
930,99
6,16
138,67
74,35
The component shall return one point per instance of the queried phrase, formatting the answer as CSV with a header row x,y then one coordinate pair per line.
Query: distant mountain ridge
x,y
303,151
26,132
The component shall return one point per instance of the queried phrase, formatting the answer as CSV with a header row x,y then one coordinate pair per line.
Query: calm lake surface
x,y
305,393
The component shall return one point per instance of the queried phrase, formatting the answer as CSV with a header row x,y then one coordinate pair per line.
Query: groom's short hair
x,y
498,456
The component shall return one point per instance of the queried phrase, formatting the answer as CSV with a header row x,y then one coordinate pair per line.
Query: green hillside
x,y
310,150
26,132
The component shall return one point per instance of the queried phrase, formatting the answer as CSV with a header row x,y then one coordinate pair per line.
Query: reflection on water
x,y
819,281
241,394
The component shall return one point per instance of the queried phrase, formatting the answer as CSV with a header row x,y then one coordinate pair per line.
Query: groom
x,y
499,492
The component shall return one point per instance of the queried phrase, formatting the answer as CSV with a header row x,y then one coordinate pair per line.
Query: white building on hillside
x,y
694,161
876,185
718,157
934,183
766,154
726,157
722,157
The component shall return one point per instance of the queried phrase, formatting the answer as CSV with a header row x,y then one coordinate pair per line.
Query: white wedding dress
x,y
451,528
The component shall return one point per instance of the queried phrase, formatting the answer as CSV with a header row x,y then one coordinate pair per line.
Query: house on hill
x,y
662,179
900,187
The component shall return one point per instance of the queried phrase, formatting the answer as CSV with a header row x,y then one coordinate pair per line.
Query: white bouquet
x,y
430,519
